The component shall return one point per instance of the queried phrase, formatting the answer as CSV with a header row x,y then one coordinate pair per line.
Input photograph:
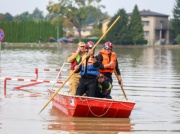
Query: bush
x,y
178,39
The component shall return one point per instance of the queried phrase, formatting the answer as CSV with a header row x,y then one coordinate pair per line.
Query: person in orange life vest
x,y
88,71
104,87
73,59
108,62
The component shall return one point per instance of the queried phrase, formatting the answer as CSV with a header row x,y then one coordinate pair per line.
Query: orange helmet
x,y
108,45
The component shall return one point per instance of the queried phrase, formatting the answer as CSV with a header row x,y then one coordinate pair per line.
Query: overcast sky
x,y
15,7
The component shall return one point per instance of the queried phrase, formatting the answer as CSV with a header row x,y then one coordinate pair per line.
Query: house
x,y
74,32
105,25
155,26
85,31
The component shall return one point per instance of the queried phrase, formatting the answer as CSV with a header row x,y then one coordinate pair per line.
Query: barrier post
x,y
5,86
36,73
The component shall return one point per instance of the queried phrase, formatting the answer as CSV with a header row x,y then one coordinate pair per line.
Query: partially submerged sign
x,y
1,35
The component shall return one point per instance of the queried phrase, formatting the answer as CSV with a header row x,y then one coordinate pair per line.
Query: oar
x,y
120,84
79,64
58,76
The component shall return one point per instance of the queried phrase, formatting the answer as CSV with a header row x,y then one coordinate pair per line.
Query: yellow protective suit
x,y
74,80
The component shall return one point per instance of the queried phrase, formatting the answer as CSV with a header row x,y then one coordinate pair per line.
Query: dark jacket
x,y
104,88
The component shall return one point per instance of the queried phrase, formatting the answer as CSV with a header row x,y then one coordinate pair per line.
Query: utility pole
x,y
57,30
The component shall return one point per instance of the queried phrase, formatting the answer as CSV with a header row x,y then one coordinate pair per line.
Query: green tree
x,y
37,15
96,32
76,11
119,32
56,22
6,17
2,17
178,38
96,17
136,26
22,17
176,18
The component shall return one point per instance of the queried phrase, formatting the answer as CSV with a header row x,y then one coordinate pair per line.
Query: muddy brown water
x,y
151,78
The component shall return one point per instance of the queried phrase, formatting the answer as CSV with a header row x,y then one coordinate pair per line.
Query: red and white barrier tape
x,y
56,69
31,80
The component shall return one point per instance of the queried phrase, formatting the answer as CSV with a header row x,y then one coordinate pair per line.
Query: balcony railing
x,y
162,28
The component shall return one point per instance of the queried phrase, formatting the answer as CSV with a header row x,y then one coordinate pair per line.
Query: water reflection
x,y
60,121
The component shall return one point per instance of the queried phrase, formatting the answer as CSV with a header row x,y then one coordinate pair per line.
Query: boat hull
x,y
81,106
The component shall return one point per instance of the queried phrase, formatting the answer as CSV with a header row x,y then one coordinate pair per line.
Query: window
x,y
146,23
146,33
161,23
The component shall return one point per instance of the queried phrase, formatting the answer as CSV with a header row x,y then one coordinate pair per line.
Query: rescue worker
x,y
108,62
104,86
88,71
73,59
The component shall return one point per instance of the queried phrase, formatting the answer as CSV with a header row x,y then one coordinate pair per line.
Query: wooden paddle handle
x,y
120,84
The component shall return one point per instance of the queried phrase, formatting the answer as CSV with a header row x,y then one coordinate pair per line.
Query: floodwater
x,y
151,78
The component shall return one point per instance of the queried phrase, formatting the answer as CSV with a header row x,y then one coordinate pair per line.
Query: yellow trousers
x,y
74,82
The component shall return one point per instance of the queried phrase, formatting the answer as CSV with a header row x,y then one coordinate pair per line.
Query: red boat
x,y
83,106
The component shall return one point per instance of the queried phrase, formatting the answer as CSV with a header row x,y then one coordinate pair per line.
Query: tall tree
x,y
118,33
22,17
37,15
176,18
136,26
76,11
2,17
6,17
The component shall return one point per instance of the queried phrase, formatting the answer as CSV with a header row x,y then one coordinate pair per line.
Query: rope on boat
x,y
126,105
93,112
106,110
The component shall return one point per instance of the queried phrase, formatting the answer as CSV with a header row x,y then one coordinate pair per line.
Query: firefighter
x,y
108,62
73,59
88,71
104,86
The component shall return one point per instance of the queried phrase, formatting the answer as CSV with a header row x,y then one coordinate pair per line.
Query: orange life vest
x,y
106,60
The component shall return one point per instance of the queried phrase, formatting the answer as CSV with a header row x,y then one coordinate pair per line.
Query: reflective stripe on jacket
x,y
101,87
73,64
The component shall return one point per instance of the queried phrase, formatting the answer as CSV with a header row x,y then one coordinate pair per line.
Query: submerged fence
x,y
36,81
